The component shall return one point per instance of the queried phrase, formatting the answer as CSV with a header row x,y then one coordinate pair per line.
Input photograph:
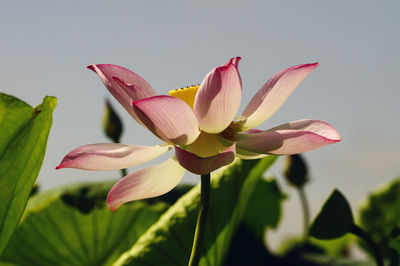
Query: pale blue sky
x,y
46,45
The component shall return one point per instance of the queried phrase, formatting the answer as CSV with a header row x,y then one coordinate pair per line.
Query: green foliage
x,y
337,247
264,207
263,211
169,241
73,226
379,215
23,134
335,218
394,248
314,252
322,260
333,247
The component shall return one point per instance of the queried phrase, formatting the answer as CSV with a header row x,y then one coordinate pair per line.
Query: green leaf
x,y
169,241
323,260
334,220
335,247
264,207
23,133
379,215
263,211
73,226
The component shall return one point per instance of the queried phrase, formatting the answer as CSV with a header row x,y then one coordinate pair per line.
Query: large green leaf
x,y
263,211
264,208
23,134
169,241
73,226
379,214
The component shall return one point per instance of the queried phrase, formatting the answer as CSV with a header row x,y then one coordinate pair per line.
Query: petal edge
x,y
107,74
146,183
271,96
110,156
291,138
218,98
169,118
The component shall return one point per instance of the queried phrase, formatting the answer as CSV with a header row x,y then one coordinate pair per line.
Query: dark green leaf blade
x,y
169,241
25,131
335,218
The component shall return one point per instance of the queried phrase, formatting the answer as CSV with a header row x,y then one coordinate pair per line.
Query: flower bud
x,y
112,124
295,171
35,189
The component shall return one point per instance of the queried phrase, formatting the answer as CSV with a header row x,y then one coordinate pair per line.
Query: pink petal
x,y
218,97
110,156
146,183
123,84
134,91
273,94
291,138
202,166
169,118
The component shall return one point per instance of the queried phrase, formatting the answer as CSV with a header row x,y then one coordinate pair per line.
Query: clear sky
x,y
46,45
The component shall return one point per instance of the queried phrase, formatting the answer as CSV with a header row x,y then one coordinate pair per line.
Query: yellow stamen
x,y
186,94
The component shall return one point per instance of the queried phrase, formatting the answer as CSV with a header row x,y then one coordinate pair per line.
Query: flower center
x,y
230,132
207,145
186,94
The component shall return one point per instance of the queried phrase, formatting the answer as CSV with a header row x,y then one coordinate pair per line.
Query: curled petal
x,y
273,94
110,156
201,166
123,84
134,91
291,138
146,183
169,118
218,97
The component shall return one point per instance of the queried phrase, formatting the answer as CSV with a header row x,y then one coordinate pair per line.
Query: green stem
x,y
358,231
306,210
201,221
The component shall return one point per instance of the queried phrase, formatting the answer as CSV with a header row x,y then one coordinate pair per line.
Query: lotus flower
x,y
200,123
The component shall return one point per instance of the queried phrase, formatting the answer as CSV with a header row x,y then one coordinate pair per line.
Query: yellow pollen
x,y
186,94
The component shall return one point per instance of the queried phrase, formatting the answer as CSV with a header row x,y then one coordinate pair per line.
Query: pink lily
x,y
199,122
